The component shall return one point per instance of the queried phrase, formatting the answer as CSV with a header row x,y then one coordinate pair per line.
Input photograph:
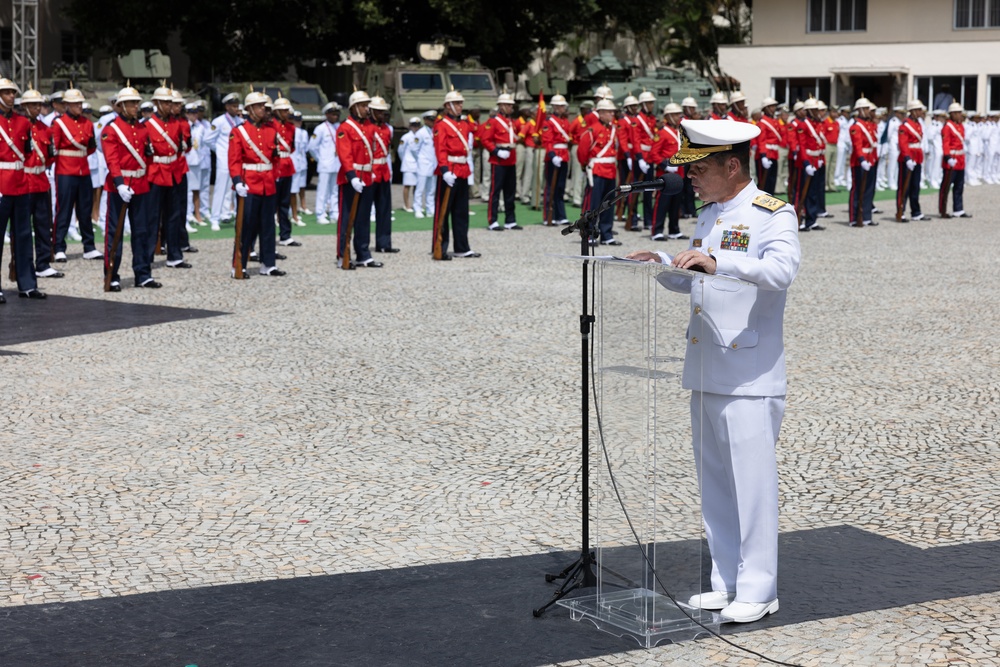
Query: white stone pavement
x,y
347,421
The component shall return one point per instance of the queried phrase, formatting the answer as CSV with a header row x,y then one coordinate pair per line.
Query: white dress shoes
x,y
713,601
747,612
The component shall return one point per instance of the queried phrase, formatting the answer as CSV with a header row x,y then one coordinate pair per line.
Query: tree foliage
x,y
260,39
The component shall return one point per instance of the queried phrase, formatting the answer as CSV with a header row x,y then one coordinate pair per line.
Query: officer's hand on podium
x,y
766,162
643,256
125,192
556,161
242,190
694,260
357,184
449,178
910,164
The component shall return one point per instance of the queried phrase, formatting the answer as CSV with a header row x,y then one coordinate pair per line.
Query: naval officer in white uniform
x,y
735,362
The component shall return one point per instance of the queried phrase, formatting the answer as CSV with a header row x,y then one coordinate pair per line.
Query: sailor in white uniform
x,y
735,361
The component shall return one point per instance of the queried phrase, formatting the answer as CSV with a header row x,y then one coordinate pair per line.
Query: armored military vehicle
x,y
624,79
144,70
413,87
308,98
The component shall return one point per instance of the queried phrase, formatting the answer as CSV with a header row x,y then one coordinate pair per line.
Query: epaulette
x,y
770,203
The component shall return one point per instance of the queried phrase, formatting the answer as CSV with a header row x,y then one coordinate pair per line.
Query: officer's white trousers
x,y
734,439
423,194
327,195
222,197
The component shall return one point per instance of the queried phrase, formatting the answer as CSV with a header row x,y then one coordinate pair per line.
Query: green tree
x,y
694,29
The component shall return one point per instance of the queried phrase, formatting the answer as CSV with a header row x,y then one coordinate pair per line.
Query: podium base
x,y
648,617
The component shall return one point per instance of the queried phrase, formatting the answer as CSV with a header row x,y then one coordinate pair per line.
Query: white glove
x,y
125,192
910,164
503,153
449,178
590,176
643,166
556,161
952,162
629,160
672,169
242,190
819,164
811,170
357,184
766,162
866,165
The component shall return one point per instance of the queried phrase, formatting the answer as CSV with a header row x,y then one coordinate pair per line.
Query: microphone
x,y
671,184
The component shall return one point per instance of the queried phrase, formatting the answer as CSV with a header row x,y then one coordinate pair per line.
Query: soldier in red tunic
x,y
911,160
556,140
15,146
357,157
37,184
382,174
73,138
499,137
451,147
769,142
126,149
665,145
864,156
284,130
953,158
598,154
253,154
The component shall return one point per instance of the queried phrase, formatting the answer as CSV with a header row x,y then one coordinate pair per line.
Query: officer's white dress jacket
x,y
323,147
735,338
299,155
426,157
218,138
407,152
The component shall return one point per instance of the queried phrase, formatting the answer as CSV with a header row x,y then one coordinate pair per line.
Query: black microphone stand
x,y
580,573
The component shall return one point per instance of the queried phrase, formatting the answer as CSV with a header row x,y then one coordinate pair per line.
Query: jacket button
x,y
734,346
694,340
697,309
711,250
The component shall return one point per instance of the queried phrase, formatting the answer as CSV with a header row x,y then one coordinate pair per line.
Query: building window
x,y
937,92
977,13
790,91
993,96
840,15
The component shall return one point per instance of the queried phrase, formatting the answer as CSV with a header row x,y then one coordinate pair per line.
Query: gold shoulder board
x,y
767,201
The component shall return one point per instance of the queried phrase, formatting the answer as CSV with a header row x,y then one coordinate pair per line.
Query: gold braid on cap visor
x,y
687,154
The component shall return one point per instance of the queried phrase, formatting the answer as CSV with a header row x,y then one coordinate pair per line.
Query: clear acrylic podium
x,y
641,459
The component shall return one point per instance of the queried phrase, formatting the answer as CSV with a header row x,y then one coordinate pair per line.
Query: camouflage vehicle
x,y
411,88
143,69
623,78
308,98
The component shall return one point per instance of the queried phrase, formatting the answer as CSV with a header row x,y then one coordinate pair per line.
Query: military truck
x,y
308,98
413,87
605,69
144,70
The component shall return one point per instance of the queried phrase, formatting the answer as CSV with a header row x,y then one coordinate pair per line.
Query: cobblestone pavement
x,y
425,413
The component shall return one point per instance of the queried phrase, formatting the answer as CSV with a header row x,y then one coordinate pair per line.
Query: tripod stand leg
x,y
576,574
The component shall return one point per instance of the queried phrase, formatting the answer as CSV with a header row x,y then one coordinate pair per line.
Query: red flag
x,y
540,117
